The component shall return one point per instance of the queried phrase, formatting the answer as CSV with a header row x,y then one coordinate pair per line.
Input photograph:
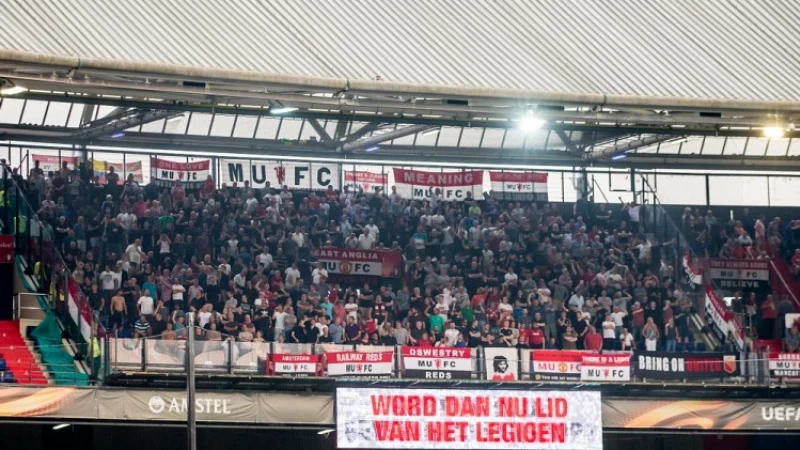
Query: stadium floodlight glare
x,y
326,431
282,110
60,426
773,132
374,148
618,157
530,123
13,90
118,134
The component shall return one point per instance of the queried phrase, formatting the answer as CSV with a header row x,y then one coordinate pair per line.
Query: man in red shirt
x,y
593,340
535,337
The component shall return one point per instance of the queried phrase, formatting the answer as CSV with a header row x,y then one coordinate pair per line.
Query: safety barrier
x,y
450,363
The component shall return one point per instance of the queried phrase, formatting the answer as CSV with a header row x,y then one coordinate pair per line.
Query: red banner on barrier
x,y
355,364
303,365
6,249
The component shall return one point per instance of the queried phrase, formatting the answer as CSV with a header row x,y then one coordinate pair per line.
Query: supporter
x,y
651,335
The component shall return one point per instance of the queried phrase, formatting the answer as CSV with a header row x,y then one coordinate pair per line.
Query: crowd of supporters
x,y
477,273
753,237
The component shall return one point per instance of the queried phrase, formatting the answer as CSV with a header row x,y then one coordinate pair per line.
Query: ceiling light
x,y
620,156
374,148
432,131
13,90
530,123
326,431
60,426
118,134
773,132
282,110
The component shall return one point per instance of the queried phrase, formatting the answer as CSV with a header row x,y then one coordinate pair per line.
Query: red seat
x,y
18,357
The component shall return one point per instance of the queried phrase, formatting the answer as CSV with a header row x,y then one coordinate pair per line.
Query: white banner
x,y
168,172
502,364
454,419
519,185
614,367
294,365
437,363
355,364
276,174
451,186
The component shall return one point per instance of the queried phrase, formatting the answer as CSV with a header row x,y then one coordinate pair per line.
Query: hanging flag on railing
x,y
694,273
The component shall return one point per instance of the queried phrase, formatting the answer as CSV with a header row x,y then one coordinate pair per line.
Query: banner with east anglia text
x,y
355,262
449,186
389,418
260,174
167,172
529,186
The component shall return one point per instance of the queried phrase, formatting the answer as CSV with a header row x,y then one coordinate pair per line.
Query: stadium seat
x,y
19,363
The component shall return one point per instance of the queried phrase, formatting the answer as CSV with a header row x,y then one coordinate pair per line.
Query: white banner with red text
x,y
448,186
369,182
356,364
557,365
437,363
288,365
277,174
446,418
694,273
167,172
784,365
519,185
722,320
606,367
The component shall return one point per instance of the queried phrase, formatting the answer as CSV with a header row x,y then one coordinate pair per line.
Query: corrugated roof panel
x,y
738,49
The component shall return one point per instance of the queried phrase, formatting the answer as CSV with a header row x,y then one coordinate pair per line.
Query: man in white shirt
x,y
617,317
279,318
134,253
292,274
299,238
107,282
145,305
372,228
264,258
366,241
319,275
451,334
609,333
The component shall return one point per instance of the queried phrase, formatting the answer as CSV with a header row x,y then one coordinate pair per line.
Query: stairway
x,y
21,366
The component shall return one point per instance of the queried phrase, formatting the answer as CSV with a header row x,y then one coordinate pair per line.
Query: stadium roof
x,y
609,76
681,48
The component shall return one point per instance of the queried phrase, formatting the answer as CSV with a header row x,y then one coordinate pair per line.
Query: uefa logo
x,y
156,404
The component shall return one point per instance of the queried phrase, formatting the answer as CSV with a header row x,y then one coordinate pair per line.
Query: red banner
x,y
557,365
289,365
6,249
355,364
370,263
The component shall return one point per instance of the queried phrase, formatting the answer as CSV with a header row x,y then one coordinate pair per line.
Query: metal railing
x,y
230,357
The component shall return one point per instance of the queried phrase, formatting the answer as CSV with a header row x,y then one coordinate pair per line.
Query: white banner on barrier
x,y
454,419
276,174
